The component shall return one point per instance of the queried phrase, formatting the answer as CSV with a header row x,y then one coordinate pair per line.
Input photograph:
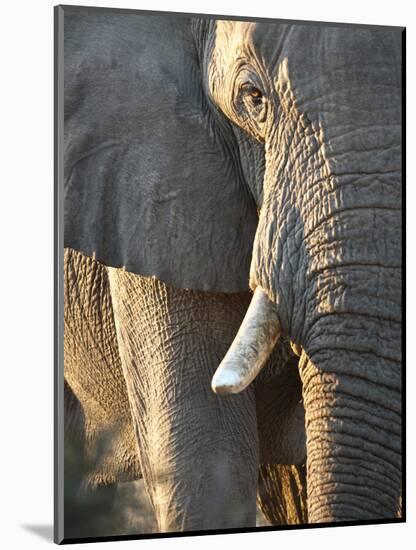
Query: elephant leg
x,y
100,446
92,369
282,440
280,413
282,493
87,508
198,451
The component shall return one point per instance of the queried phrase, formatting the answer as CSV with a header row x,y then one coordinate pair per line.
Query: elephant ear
x,y
151,181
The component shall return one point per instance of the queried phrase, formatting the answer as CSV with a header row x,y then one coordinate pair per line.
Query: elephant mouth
x,y
254,342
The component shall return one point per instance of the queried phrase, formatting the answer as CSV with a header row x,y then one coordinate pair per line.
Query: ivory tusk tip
x,y
255,340
226,382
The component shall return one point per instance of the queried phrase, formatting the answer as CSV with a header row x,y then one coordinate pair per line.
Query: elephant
x,y
232,218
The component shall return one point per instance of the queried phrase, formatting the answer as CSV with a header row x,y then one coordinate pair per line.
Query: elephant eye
x,y
250,91
250,107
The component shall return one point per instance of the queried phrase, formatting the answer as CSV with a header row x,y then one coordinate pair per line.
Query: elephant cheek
x,y
278,264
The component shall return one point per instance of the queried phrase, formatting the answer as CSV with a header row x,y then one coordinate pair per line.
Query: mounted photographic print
x,y
228,274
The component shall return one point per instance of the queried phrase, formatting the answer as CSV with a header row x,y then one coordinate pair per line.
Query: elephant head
x,y
326,264
219,155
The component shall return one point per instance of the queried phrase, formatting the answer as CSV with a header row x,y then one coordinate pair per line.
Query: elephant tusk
x,y
250,349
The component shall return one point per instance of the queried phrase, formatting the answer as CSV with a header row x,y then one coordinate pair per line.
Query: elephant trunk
x,y
251,347
330,260
354,437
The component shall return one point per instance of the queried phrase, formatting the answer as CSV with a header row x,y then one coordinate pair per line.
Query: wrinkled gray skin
x,y
177,132
169,344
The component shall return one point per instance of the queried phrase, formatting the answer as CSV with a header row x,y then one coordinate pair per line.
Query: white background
x,y
26,274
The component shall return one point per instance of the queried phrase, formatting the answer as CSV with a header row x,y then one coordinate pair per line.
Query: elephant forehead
x,y
312,50
246,41
233,35
336,75
317,51
342,76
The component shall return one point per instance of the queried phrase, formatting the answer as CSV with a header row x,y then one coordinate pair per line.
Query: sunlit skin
x,y
226,160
